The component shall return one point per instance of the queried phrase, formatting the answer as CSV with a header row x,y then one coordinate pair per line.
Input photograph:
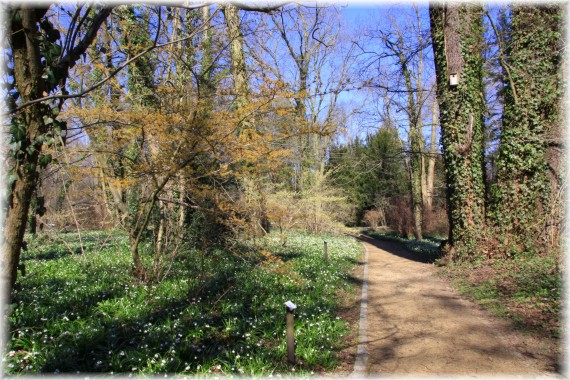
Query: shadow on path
x,y
395,249
417,325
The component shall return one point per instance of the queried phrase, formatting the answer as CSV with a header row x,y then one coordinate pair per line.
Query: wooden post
x,y
326,253
290,318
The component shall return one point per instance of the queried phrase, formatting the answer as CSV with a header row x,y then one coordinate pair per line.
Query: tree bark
x,y
206,88
415,137
526,206
29,123
238,68
28,73
430,175
457,36
416,157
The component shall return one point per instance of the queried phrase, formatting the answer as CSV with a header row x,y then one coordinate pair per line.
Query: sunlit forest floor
x,y
525,290
79,309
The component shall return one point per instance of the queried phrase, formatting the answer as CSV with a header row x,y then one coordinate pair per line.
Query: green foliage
x,y
50,51
369,170
524,206
526,289
83,311
25,141
461,117
427,249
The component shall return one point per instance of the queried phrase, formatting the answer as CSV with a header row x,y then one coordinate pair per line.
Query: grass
x,y
83,312
525,289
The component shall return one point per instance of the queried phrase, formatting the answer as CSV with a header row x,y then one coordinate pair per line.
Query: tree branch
x,y
259,7
62,67
115,72
502,56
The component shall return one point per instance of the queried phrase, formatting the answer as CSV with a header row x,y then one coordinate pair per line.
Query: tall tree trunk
x,y
174,48
30,124
430,175
416,164
526,207
241,88
28,72
416,145
206,88
105,197
238,68
457,36
182,208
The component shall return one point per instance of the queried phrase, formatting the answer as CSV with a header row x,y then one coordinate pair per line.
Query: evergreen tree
x,y
370,170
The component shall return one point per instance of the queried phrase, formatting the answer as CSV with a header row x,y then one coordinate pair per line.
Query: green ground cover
x,y
525,289
427,249
80,310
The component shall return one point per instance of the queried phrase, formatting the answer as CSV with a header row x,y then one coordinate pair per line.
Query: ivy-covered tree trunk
x,y
38,69
457,37
526,203
27,126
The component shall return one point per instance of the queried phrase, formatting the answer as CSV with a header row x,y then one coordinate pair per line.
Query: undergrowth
x,y
525,289
80,311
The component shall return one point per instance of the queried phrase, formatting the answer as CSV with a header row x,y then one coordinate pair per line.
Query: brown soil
x,y
418,325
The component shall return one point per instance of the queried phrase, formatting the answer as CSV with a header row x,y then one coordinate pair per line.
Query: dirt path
x,y
417,325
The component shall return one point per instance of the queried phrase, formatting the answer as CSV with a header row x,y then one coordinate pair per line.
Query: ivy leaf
x,y
44,160
47,120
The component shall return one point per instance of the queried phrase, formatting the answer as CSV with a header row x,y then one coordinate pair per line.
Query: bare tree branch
x,y
62,67
504,64
115,72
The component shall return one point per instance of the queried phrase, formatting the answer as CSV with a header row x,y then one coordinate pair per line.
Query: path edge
x,y
361,362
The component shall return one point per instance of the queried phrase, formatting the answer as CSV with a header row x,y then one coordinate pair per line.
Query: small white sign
x,y
453,79
290,305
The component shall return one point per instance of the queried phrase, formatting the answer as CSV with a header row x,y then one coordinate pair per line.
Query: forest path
x,y
418,325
